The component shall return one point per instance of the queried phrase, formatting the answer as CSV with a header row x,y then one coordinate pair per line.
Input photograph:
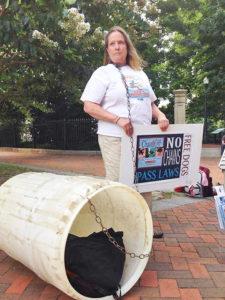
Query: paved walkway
x,y
188,263
81,164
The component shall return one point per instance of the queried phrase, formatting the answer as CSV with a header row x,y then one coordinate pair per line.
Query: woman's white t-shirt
x,y
106,87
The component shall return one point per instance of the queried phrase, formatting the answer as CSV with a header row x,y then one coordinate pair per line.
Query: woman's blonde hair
x,y
133,59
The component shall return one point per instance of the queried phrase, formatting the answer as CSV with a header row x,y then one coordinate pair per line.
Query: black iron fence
x,y
9,136
77,134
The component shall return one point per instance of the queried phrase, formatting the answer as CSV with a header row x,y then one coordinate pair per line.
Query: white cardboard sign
x,y
163,160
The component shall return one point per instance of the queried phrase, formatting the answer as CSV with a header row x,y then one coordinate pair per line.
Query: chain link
x,y
110,238
131,137
92,206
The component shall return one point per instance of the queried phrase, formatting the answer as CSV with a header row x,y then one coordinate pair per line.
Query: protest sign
x,y
163,160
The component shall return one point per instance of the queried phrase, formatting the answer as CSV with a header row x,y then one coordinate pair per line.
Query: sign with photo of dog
x,y
162,160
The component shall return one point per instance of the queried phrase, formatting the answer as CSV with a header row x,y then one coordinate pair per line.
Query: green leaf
x,y
70,2
7,4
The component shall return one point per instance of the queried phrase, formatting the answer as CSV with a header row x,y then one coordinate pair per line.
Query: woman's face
x,y
117,48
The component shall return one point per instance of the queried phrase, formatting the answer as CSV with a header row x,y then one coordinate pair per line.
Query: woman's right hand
x,y
126,125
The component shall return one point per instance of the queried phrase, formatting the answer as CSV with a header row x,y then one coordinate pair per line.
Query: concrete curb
x,y
211,152
165,204
51,151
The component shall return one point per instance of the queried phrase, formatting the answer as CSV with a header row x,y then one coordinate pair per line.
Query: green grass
x,y
168,195
9,170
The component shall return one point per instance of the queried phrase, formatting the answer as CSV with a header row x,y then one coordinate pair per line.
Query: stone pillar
x,y
180,106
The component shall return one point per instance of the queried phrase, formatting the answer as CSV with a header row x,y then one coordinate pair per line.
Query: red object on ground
x,y
179,189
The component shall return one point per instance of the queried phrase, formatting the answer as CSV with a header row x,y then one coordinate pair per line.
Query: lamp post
x,y
205,82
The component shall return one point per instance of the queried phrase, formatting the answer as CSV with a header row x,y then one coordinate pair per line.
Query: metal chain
x,y
92,206
131,137
110,238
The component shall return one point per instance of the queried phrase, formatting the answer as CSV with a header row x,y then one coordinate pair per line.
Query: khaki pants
x,y
110,148
111,151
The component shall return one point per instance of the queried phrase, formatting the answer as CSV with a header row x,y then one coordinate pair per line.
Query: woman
x,y
105,98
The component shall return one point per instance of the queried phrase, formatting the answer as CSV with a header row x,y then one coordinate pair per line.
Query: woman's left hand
x,y
163,123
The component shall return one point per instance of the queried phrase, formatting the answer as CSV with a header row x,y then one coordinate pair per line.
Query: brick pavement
x,y
187,264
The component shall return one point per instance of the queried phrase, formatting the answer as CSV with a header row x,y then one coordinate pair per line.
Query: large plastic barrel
x,y
39,210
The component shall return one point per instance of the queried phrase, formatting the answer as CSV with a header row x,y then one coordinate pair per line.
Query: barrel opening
x,y
123,210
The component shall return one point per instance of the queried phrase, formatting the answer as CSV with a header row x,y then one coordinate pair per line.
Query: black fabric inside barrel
x,y
94,264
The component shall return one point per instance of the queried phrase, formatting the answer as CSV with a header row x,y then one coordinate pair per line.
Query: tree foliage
x,y
49,49
195,50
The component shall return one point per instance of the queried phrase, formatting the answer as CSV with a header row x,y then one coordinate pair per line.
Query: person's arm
x,y
96,111
162,120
